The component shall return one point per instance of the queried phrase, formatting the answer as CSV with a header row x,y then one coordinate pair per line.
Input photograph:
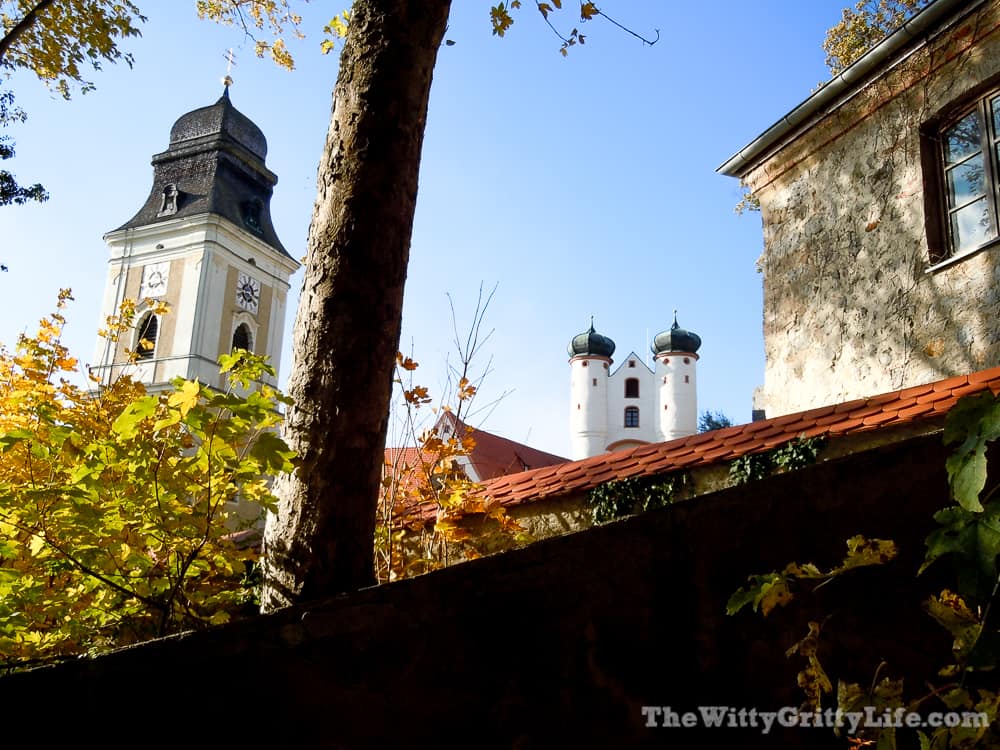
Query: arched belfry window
x,y
145,340
631,416
632,388
251,214
243,338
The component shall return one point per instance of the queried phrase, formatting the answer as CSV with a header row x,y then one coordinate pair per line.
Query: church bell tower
x,y
204,244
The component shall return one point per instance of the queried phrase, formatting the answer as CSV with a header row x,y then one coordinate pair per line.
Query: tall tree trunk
x,y
347,327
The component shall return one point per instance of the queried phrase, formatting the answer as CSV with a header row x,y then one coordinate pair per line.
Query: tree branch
x,y
629,31
22,26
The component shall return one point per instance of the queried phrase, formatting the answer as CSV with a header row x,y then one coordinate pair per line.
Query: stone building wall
x,y
855,301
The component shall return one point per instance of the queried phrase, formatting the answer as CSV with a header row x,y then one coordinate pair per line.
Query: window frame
x,y
937,209
242,326
633,382
145,319
631,411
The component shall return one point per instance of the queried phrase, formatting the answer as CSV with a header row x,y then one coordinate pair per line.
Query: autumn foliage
x,y
120,510
430,513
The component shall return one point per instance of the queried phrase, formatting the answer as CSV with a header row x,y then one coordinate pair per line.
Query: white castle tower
x,y
204,244
633,405
676,355
589,364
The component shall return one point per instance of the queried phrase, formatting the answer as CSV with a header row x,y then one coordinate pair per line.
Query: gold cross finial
x,y
227,81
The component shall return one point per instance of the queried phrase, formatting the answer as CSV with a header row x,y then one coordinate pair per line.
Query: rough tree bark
x,y
347,327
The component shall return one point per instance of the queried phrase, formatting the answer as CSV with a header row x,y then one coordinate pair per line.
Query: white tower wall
x,y
202,247
678,394
200,257
588,420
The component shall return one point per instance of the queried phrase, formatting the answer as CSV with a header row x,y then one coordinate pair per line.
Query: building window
x,y
594,381
242,338
145,340
631,416
251,215
632,388
584,364
631,363
967,159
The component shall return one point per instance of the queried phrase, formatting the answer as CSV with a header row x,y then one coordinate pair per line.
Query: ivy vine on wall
x,y
624,497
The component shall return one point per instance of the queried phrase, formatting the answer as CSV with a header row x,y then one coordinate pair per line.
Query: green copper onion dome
x,y
676,340
591,343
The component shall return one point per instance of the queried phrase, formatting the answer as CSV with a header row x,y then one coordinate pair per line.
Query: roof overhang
x,y
934,17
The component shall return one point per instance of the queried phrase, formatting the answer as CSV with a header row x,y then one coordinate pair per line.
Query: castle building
x,y
203,243
633,405
879,199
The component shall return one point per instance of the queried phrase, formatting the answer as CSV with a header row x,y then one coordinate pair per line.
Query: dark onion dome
x,y
214,164
590,342
220,119
676,340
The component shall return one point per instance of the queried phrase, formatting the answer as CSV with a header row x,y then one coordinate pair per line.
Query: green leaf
x,y
974,541
762,591
967,474
12,438
273,452
128,421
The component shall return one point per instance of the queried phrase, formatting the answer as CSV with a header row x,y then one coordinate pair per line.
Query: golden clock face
x,y
247,292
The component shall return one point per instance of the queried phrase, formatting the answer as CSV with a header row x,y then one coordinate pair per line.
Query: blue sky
x,y
580,187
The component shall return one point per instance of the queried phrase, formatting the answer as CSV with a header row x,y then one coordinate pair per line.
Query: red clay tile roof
x,y
909,406
494,456
491,457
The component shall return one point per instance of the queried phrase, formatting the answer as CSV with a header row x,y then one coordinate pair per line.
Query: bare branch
x,y
629,31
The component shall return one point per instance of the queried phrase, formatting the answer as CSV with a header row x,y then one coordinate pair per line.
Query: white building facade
x,y
631,405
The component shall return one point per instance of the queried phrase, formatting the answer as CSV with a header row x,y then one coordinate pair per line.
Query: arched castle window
x,y
632,388
631,416
243,338
145,339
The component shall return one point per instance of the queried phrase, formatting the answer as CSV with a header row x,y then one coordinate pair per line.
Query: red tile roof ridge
x,y
818,412
984,376
916,390
881,411
848,406
950,384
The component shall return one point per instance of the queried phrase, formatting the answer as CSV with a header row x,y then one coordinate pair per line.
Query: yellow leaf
x,y
775,595
186,397
36,545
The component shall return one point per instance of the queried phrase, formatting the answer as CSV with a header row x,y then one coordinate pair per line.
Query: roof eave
x,y
935,16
